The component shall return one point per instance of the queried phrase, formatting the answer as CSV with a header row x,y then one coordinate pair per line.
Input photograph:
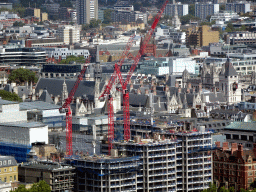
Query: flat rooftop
x,y
23,124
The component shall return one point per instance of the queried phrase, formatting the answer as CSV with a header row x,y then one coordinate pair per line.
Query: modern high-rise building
x,y
70,34
239,7
181,8
86,11
203,10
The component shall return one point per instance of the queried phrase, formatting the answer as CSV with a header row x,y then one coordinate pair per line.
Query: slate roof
x,y
45,96
229,69
5,102
219,97
6,158
54,86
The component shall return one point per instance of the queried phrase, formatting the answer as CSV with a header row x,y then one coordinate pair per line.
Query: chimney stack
x,y
240,152
225,146
217,143
233,148
189,85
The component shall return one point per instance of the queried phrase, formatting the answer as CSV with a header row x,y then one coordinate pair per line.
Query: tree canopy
x,y
107,16
18,24
9,96
186,18
22,75
93,24
41,186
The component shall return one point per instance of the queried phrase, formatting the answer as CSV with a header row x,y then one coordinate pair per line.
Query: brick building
x,y
201,36
235,166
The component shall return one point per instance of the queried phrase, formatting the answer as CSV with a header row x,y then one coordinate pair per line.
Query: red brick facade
x,y
234,167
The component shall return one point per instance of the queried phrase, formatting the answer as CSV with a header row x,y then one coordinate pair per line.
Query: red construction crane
x,y
126,112
106,93
66,109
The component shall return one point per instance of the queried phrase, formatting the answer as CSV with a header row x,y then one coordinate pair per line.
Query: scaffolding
x,y
20,152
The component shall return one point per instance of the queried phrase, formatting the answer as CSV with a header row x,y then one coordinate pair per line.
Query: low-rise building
x,y
8,169
59,177
240,37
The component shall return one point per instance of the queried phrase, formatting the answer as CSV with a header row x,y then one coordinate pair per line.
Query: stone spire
x,y
176,21
64,92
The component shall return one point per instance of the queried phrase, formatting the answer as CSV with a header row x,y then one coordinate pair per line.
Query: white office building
x,y
178,65
64,52
203,10
239,7
70,34
225,16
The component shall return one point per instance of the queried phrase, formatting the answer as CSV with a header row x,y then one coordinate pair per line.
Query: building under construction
x,y
174,161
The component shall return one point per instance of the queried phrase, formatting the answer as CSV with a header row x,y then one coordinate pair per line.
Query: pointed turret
x,y
64,92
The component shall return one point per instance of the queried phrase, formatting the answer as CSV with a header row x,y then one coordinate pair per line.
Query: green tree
x,y
21,188
9,96
22,75
18,24
191,9
230,28
212,188
107,16
222,7
41,186
186,18
19,9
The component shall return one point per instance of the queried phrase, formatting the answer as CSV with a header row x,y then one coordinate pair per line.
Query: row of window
x,y
14,178
5,162
10,169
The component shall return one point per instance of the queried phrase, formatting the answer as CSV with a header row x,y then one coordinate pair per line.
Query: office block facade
x,y
239,7
181,8
203,10
86,11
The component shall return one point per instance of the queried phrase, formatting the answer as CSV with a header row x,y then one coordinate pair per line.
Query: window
x,y
5,179
14,168
0,162
5,170
10,169
9,162
250,173
14,177
10,178
250,167
4,162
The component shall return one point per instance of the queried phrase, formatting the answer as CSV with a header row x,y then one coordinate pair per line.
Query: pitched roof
x,y
45,96
244,126
54,87
229,69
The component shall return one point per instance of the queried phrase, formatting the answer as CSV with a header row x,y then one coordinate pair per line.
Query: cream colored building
x,y
8,169
44,16
37,13
70,34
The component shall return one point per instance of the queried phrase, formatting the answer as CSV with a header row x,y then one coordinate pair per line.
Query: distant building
x,y
204,10
86,11
22,56
44,16
6,5
53,9
8,169
101,15
62,53
128,16
225,16
33,12
181,8
239,7
201,36
59,177
240,37
70,34
123,6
